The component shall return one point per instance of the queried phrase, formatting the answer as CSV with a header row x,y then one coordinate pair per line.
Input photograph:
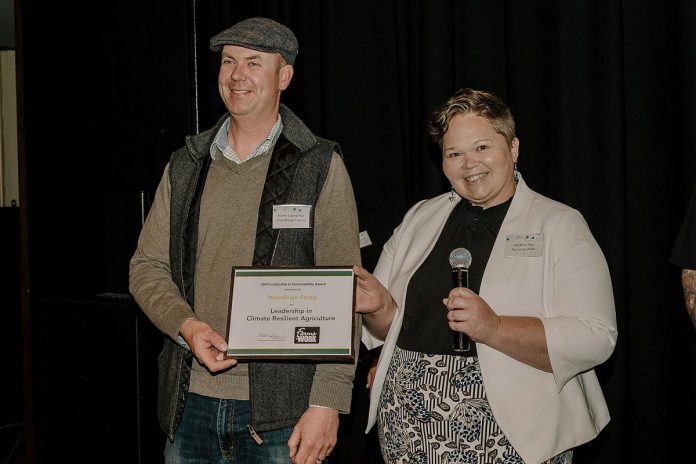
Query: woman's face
x,y
478,161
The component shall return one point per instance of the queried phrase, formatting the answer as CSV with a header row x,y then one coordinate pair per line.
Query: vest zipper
x,y
254,435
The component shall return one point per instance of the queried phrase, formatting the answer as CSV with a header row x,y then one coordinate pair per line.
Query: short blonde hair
x,y
471,101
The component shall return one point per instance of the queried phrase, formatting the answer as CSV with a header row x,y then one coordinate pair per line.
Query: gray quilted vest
x,y
279,391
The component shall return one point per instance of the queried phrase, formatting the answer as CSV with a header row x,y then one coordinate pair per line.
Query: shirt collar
x,y
220,144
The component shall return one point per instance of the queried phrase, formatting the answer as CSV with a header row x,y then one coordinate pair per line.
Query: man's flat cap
x,y
262,34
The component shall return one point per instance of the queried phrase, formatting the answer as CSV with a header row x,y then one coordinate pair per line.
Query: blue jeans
x,y
214,431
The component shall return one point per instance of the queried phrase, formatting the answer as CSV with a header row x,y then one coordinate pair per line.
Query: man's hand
x,y
314,436
206,345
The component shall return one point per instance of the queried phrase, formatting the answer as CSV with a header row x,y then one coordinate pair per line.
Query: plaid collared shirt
x,y
220,142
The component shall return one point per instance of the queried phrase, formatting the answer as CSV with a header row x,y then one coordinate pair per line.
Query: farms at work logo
x,y
306,334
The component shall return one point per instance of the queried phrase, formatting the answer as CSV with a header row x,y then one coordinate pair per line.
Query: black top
x,y
684,251
425,326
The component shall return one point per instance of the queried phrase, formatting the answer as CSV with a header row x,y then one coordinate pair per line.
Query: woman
x,y
539,310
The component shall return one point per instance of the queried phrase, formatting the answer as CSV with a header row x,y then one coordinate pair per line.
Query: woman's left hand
x,y
469,313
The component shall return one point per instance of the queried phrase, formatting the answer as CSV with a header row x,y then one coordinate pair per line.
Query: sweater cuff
x,y
331,395
177,315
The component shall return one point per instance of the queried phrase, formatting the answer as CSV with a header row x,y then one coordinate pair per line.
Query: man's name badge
x,y
291,216
524,245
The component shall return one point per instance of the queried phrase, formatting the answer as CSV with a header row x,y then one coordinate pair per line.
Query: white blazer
x,y
568,287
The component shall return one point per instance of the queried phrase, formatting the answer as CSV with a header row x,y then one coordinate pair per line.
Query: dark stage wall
x,y
602,91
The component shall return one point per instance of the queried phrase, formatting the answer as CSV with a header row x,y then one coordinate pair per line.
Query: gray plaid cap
x,y
262,34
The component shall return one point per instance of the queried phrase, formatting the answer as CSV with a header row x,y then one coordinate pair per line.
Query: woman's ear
x,y
515,149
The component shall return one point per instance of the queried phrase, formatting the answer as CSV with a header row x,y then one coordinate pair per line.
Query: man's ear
x,y
286,73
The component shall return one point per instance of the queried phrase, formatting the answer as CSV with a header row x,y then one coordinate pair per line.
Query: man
x,y
213,210
684,256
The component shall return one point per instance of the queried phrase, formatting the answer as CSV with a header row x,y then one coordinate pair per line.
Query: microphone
x,y
460,260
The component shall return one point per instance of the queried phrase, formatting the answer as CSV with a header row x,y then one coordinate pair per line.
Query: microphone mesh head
x,y
460,257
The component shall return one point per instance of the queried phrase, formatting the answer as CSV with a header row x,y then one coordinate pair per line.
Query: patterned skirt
x,y
433,409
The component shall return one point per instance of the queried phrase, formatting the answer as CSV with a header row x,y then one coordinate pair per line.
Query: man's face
x,y
250,81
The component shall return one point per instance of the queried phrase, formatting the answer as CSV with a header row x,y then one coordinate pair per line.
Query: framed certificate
x,y
291,313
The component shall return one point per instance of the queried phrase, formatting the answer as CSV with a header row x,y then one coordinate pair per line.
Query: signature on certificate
x,y
270,337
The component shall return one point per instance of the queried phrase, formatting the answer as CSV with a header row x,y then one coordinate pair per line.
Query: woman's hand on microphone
x,y
469,313
520,337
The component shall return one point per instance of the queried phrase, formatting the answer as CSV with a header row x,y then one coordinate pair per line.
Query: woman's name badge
x,y
291,216
524,245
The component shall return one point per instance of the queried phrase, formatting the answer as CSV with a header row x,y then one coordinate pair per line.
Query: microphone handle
x,y
460,278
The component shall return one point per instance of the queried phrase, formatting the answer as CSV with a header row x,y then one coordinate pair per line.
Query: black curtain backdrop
x,y
603,93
